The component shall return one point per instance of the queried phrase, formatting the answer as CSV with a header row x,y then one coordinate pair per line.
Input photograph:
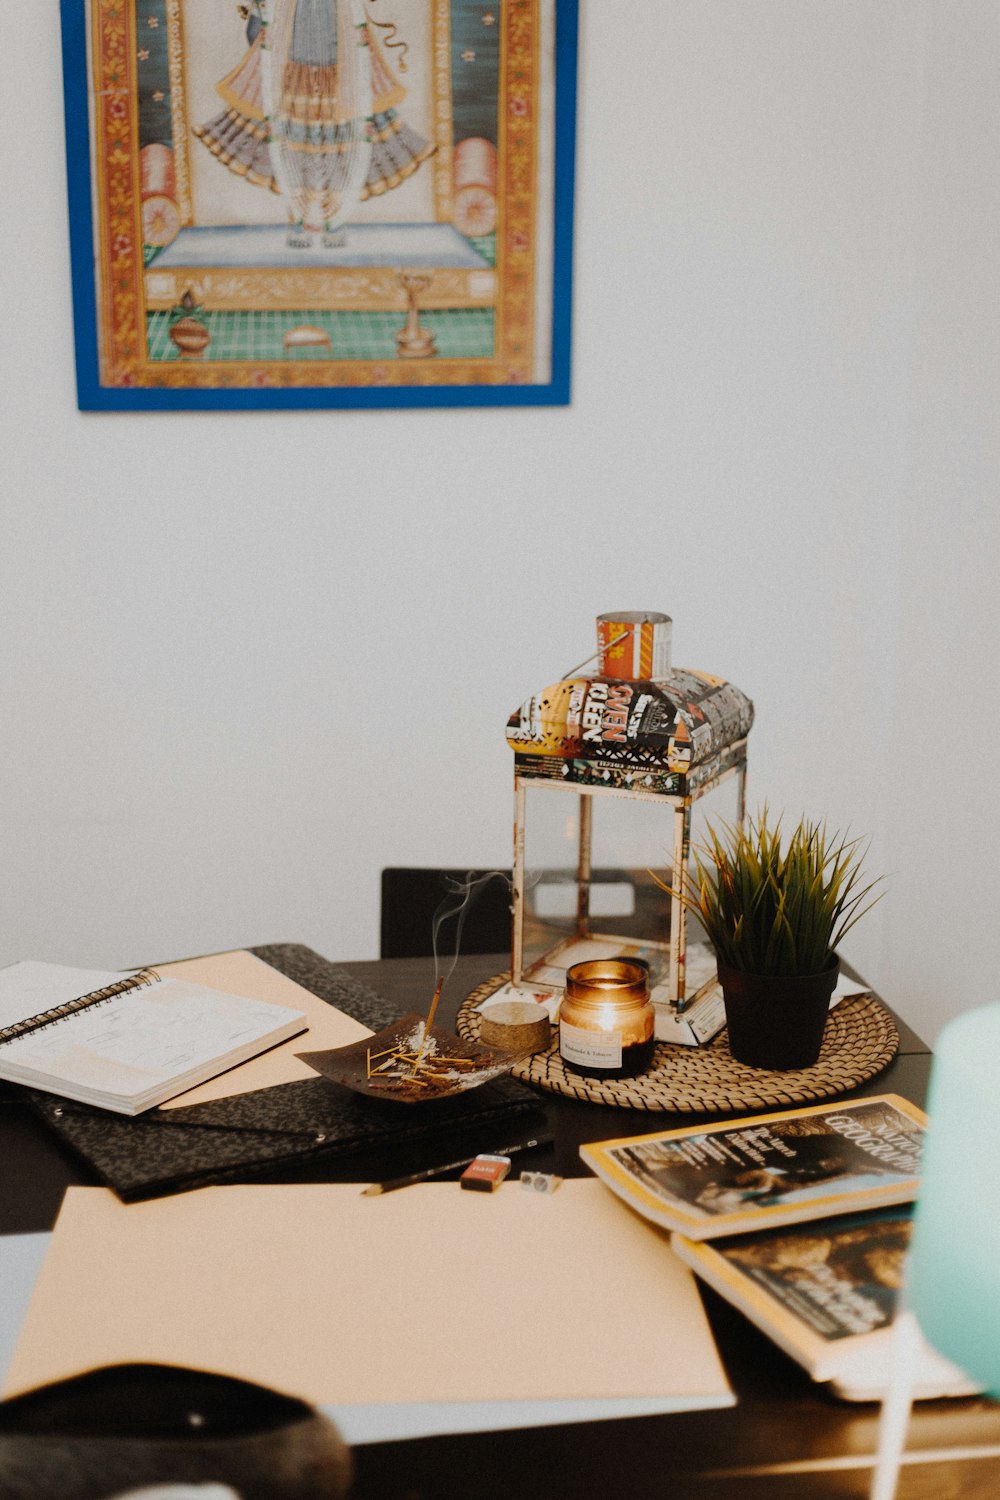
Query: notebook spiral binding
x,y
137,981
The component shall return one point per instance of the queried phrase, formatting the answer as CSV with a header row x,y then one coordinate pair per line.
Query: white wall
x,y
939,949
250,659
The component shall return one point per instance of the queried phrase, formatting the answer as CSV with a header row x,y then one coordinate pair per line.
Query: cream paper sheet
x,y
242,973
431,1294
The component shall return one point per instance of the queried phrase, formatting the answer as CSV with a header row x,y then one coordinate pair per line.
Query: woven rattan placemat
x,y
861,1039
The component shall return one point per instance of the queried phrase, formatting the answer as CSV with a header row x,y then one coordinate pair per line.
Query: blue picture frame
x,y
120,193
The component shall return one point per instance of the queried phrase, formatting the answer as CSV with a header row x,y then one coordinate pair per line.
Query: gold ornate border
x,y
118,237
178,110
441,104
118,257
516,245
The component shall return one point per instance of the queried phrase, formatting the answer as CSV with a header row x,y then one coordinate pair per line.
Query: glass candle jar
x,y
606,1018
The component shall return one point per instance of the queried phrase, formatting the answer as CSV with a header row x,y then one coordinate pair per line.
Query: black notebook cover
x,y
311,1129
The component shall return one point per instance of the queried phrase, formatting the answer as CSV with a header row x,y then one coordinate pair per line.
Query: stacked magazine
x,y
800,1219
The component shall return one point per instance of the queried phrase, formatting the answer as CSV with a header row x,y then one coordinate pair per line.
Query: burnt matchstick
x,y
399,1068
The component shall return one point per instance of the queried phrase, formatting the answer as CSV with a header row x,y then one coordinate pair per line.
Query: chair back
x,y
411,897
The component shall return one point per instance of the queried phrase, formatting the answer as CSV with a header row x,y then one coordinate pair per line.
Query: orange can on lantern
x,y
634,645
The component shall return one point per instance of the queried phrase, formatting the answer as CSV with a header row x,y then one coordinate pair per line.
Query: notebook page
x,y
242,973
145,1037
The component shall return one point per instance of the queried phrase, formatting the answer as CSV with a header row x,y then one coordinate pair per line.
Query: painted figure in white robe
x,y
311,111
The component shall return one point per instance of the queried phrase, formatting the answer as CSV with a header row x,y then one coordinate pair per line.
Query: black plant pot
x,y
775,1020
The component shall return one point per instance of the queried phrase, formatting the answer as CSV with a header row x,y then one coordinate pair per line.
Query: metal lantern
x,y
635,746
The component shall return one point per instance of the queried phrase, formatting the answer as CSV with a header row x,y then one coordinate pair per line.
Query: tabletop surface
x,y
786,1437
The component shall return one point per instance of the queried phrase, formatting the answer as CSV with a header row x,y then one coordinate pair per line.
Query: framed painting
x,y
320,203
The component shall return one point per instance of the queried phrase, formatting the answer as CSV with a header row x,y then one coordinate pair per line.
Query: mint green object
x,y
954,1266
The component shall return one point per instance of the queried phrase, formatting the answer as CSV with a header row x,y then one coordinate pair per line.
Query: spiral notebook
x,y
126,1042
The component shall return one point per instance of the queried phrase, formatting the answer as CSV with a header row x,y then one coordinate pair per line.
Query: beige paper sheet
x,y
242,973
432,1293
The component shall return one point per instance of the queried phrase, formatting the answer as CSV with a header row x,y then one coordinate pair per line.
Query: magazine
x,y
769,1170
827,1293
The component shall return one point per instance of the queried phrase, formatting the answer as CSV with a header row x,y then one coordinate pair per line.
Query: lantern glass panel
x,y
594,896
551,853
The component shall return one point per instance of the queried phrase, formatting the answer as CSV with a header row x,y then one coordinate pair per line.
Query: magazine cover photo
x,y
827,1293
743,1175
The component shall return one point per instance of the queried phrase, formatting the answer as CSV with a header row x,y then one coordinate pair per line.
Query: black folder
x,y
309,1130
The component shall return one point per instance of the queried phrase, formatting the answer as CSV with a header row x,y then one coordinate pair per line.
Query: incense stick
x,y
427,1025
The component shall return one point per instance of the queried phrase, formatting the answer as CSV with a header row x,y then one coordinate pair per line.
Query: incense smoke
x,y
458,902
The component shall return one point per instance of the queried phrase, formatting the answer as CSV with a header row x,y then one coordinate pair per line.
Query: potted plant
x,y
775,917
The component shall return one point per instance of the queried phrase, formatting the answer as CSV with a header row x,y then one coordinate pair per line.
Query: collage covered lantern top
x,y
638,729
665,730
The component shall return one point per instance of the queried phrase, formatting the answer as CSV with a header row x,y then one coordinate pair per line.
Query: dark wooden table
x,y
786,1439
